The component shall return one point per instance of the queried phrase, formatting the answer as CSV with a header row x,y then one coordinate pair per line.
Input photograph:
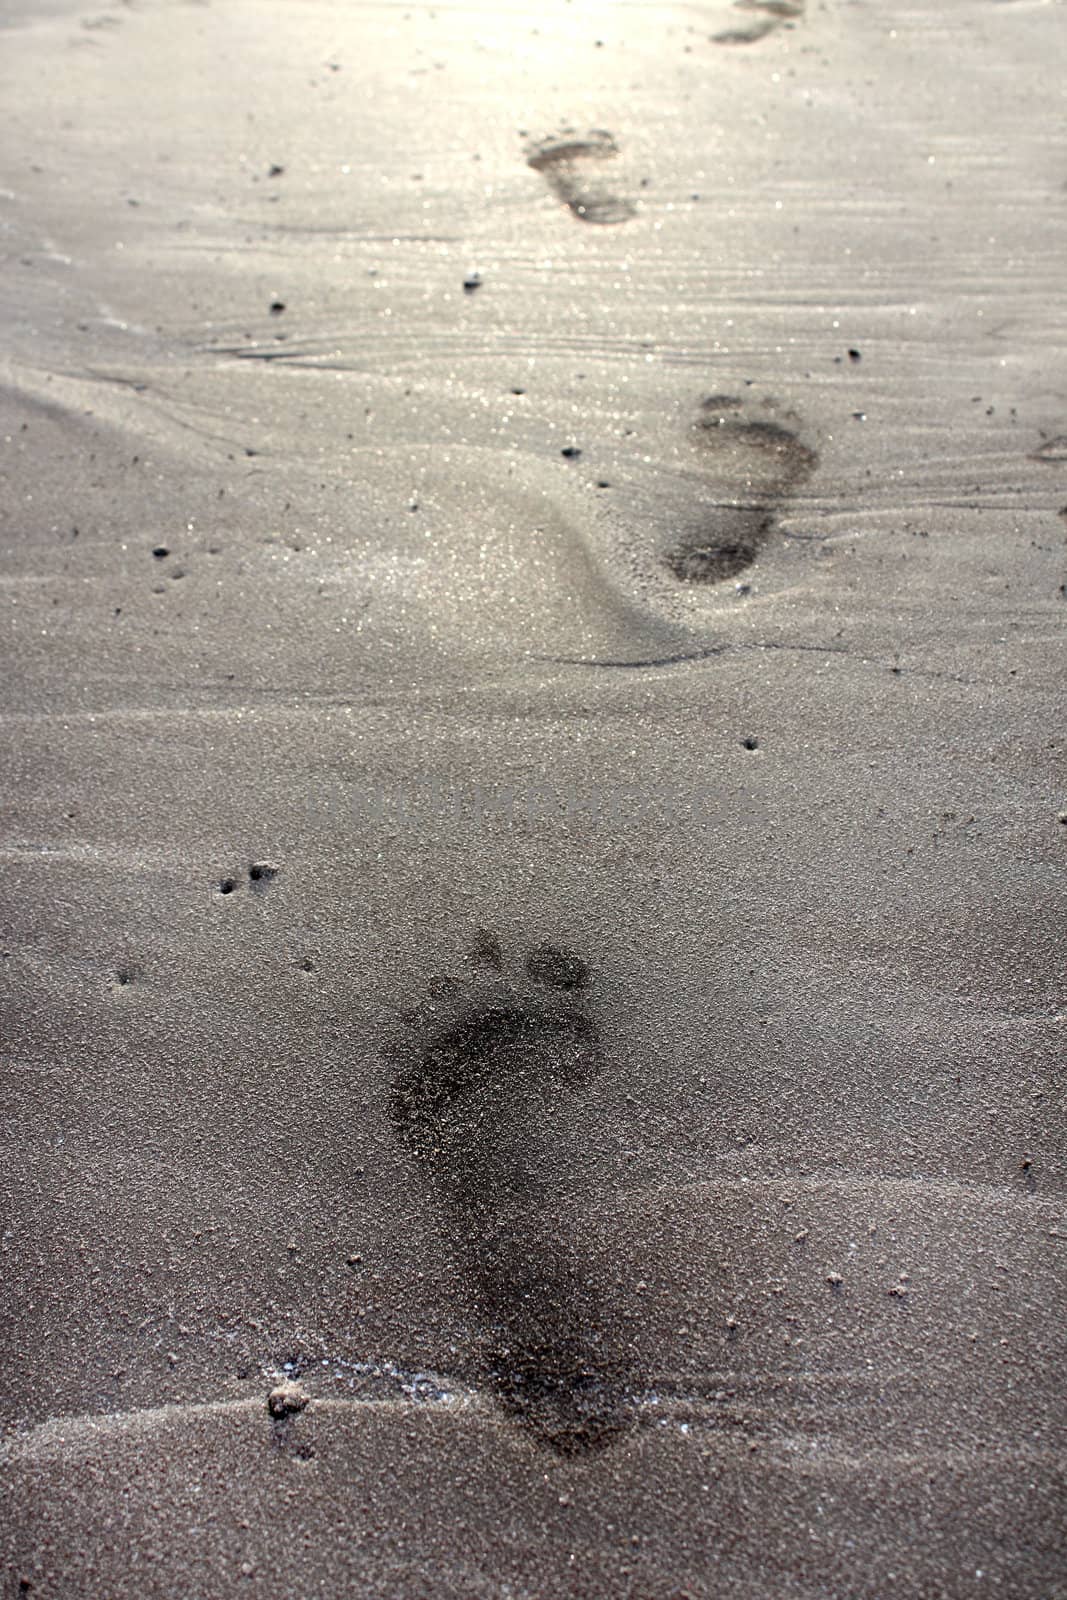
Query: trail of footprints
x,y
753,457
470,1092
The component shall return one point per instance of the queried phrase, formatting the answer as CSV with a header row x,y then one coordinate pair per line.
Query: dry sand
x,y
532,844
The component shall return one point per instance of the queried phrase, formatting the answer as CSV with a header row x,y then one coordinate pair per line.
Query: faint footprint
x,y
477,1100
755,460
570,163
768,15
1051,450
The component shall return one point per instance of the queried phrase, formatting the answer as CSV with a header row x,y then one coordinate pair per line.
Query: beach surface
x,y
532,913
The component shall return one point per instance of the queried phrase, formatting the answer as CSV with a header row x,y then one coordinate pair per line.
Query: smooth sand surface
x,y
533,827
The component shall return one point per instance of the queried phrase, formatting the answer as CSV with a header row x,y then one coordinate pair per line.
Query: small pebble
x,y
287,1398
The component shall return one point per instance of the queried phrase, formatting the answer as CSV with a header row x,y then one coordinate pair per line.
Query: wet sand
x,y
532,851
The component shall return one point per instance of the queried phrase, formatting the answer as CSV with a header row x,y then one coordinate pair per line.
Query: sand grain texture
x,y
633,436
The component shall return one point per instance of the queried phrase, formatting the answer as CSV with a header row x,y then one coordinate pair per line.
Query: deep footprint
x,y
473,1102
571,163
756,462
767,16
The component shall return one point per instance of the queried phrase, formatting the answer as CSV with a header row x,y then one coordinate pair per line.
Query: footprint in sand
x,y
754,460
767,15
574,166
477,1100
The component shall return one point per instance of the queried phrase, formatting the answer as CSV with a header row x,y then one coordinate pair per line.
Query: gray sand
x,y
533,833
